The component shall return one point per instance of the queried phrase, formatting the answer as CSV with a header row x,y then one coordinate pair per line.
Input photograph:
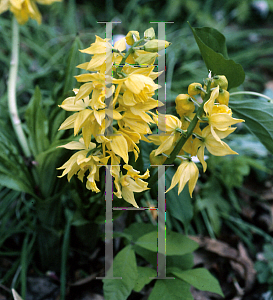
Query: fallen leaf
x,y
239,256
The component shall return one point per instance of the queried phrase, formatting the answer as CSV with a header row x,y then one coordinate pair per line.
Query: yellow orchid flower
x,y
171,125
24,9
102,54
134,122
186,172
79,163
219,115
215,147
127,184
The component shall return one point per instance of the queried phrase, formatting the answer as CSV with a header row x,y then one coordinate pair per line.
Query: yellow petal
x,y
223,121
73,146
166,145
128,196
200,155
210,103
81,118
69,104
119,146
84,91
194,172
69,122
120,44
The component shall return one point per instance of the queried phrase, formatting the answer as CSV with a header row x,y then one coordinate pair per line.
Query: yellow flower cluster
x,y
211,127
24,9
113,112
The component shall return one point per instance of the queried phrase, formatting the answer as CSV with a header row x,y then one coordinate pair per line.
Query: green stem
x,y
13,111
65,250
131,50
251,93
183,138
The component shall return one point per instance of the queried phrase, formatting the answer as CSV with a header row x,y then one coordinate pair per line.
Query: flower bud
x,y
156,45
220,80
184,105
149,33
156,160
223,97
194,88
146,58
132,37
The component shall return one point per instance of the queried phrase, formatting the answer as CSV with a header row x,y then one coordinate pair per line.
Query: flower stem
x,y
251,93
13,111
131,50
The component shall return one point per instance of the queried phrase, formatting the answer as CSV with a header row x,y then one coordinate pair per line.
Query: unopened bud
x,y
194,88
147,58
132,37
220,80
156,45
223,97
149,34
184,105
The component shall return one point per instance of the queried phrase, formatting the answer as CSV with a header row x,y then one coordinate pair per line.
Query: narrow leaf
x,y
16,295
37,124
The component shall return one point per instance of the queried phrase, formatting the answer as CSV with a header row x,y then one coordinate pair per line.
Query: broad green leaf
x,y
37,124
136,230
179,206
144,277
200,278
124,266
176,243
166,289
213,49
183,262
258,116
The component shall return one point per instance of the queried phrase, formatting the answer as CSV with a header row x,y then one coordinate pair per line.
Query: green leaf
x,y
37,124
176,243
179,206
13,171
136,230
213,49
200,278
183,262
258,116
166,289
144,277
124,266
14,183
74,58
